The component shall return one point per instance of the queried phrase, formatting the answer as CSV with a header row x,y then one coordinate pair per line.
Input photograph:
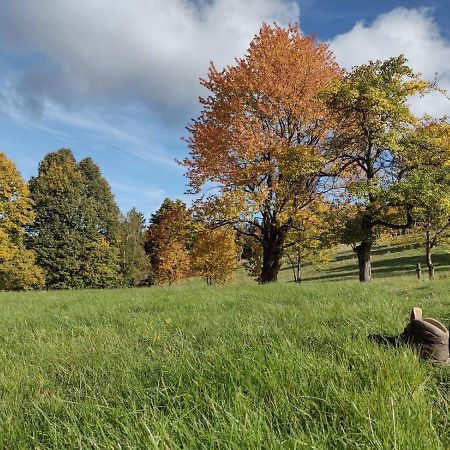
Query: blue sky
x,y
118,81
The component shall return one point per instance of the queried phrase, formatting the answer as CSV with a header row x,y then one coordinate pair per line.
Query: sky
x,y
118,80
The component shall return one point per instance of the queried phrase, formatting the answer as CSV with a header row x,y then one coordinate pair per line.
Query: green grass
x,y
238,366
387,261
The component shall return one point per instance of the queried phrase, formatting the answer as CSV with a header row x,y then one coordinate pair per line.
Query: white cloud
x,y
152,49
133,140
411,32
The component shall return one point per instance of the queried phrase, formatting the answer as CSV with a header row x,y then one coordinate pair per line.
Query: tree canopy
x,y
215,255
258,139
168,239
76,229
17,264
375,144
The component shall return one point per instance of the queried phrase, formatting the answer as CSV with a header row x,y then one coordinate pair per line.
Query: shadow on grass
x,y
378,250
402,265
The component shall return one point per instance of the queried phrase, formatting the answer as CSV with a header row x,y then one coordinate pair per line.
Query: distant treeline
x,y
63,230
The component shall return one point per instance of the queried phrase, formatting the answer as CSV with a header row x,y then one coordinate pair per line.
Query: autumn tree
x,y
432,212
172,263
168,239
311,240
372,150
134,263
258,140
76,229
215,255
429,185
18,269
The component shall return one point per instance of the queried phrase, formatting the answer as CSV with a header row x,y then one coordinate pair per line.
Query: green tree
x,y
432,212
373,124
76,230
134,263
102,229
429,185
17,264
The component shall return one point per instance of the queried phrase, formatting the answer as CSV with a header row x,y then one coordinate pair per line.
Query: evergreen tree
x,y
102,229
134,263
76,230
17,264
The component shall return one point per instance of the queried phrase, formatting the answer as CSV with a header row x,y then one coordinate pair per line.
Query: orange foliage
x,y
167,241
173,263
261,110
258,138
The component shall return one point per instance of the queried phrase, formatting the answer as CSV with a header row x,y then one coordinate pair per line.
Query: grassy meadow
x,y
236,366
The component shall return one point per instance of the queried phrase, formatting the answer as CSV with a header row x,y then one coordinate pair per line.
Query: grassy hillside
x,y
239,366
387,261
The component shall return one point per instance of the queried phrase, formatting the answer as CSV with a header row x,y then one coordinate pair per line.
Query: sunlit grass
x,y
239,366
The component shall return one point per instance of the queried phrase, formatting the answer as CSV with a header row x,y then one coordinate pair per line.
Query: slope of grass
x,y
387,261
239,366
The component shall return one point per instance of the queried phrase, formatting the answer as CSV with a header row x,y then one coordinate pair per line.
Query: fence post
x,y
419,271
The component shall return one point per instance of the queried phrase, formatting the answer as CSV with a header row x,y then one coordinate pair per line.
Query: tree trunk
x,y
294,271
272,254
430,264
298,278
363,251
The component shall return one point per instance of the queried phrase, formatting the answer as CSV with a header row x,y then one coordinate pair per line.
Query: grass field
x,y
238,366
387,261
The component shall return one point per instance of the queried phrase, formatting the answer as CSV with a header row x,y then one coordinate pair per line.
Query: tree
x,y
373,125
214,255
134,263
428,184
310,240
17,264
432,213
258,138
168,239
172,263
76,230
100,263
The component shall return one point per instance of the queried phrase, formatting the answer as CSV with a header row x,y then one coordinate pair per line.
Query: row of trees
x,y
63,230
66,232
285,133
290,152
180,244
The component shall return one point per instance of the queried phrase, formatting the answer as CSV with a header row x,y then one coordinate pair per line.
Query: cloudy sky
x,y
117,80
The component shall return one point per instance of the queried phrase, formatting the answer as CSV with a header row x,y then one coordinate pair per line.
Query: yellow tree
x,y
311,240
428,184
258,138
214,255
432,212
17,264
